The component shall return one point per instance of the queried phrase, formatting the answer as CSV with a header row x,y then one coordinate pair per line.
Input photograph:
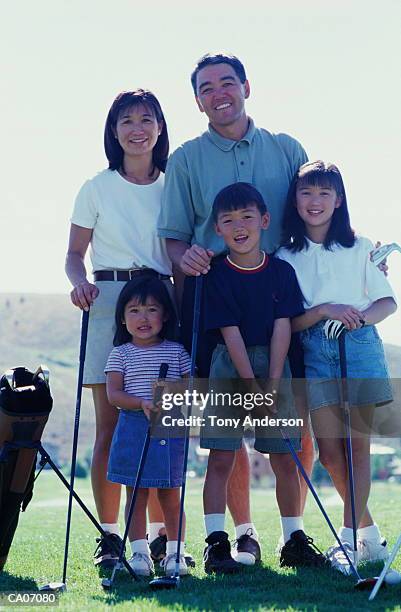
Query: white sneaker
x,y
338,560
372,550
142,564
168,564
280,545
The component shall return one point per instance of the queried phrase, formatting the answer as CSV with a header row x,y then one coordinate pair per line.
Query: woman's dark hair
x,y
124,101
236,196
211,59
143,288
320,174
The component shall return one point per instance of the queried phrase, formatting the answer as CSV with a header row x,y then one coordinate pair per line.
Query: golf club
x,y
107,583
337,330
379,254
385,569
172,582
61,586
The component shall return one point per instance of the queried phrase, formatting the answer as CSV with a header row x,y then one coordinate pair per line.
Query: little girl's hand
x,y
148,407
350,316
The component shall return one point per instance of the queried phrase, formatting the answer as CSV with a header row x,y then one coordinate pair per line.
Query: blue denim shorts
x,y
367,373
164,461
267,439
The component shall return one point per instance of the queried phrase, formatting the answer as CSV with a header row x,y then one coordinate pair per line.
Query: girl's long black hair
x,y
321,174
143,288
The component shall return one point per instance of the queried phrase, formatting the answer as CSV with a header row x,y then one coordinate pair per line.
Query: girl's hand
x,y
148,407
350,316
83,295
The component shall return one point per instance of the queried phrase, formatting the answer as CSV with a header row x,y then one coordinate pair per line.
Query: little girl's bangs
x,y
319,174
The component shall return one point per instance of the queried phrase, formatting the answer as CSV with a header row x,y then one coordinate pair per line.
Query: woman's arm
x,y
379,310
237,351
84,292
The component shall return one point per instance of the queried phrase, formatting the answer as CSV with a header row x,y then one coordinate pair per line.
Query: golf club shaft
x,y
194,347
82,352
317,500
348,433
385,569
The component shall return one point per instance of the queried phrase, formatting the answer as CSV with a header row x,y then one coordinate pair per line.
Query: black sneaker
x,y
217,555
158,550
247,549
300,551
107,551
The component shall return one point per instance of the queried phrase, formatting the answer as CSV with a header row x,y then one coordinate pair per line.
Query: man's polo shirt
x,y
201,167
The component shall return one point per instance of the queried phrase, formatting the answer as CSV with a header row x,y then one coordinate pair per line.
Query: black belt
x,y
126,275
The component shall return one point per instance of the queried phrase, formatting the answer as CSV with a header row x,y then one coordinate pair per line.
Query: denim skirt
x,y
164,460
367,373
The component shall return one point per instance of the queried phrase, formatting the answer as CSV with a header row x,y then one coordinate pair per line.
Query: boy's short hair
x,y
211,59
237,196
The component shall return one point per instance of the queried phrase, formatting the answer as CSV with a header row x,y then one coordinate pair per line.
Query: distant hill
x,y
38,329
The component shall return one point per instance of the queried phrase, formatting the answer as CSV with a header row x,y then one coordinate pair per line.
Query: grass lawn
x,y
36,557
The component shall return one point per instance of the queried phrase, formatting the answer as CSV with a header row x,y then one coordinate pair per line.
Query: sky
x,y
326,73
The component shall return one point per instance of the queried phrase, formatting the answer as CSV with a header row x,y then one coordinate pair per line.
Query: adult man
x,y
232,150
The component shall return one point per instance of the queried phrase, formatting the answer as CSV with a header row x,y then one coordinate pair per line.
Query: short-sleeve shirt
x,y
140,365
250,298
123,217
201,167
338,276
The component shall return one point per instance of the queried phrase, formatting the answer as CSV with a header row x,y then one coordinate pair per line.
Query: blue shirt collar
x,y
225,144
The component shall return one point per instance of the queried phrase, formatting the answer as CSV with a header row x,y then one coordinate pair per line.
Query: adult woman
x,y
115,213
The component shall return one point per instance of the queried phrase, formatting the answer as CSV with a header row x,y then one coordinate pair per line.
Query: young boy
x,y
249,300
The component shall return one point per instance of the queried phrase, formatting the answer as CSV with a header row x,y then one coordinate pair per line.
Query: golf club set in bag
x,y
25,405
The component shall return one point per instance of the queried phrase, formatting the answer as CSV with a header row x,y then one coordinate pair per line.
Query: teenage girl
x,y
144,318
339,281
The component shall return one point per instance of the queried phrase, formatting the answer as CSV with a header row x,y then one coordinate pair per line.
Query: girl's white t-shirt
x,y
123,217
338,276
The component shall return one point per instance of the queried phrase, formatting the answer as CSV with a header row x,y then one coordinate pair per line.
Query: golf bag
x,y
25,404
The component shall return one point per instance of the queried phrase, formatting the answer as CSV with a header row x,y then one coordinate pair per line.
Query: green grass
x,y
36,557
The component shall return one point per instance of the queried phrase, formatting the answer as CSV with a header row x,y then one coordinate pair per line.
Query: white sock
x,y
172,546
346,534
371,532
241,530
214,522
154,529
111,528
140,546
289,524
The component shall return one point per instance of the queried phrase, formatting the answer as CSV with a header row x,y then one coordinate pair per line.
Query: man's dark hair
x,y
211,59
127,100
238,196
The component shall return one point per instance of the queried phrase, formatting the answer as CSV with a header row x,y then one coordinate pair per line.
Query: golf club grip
x,y
162,375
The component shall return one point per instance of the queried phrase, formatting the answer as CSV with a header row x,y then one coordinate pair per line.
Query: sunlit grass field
x,y
36,558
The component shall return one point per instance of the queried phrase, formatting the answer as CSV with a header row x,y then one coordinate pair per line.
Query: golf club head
x,y
366,584
107,584
53,587
165,582
333,329
379,254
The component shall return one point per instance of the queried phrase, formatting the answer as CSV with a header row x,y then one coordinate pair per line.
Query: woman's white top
x,y
338,276
123,217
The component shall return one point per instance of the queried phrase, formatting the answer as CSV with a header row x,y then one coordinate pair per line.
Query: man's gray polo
x,y
201,167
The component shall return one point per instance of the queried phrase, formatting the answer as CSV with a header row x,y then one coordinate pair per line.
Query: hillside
x,y
38,329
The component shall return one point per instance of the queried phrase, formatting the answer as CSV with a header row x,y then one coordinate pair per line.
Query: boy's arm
x,y
379,310
237,351
279,345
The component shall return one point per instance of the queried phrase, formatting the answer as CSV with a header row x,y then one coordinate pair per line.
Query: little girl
x,y
338,281
144,317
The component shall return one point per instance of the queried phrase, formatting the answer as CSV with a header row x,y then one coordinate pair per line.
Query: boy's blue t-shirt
x,y
250,298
